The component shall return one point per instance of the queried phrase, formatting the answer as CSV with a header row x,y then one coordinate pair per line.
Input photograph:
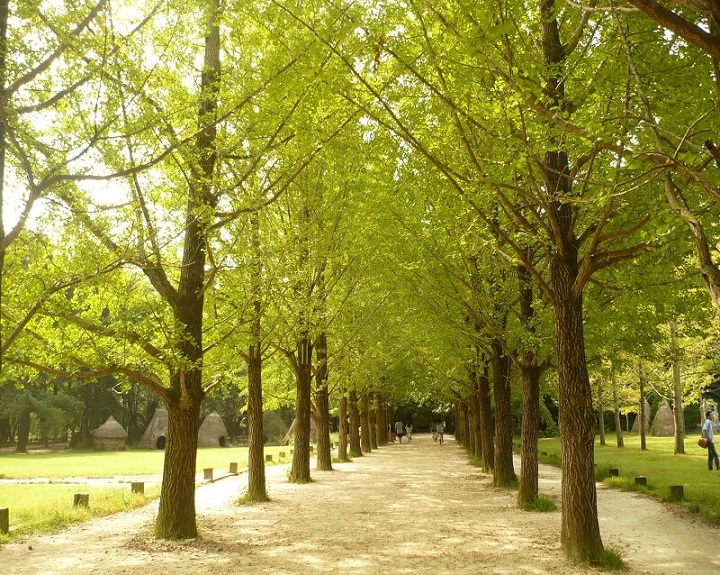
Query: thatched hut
x,y
212,431
110,435
636,424
156,431
664,422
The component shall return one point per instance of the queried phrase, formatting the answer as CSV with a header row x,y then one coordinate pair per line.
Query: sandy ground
x,y
403,509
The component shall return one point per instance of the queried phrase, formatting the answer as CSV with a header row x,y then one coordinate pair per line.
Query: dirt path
x,y
403,509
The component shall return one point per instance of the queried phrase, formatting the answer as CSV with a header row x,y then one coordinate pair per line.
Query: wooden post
x,y
208,473
137,487
614,472
5,521
81,500
233,468
641,480
677,493
268,458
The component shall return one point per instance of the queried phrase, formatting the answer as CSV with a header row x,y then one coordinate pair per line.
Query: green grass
x,y
44,507
64,464
40,508
659,465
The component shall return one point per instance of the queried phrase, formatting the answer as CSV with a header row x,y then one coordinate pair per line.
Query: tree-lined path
x,y
410,508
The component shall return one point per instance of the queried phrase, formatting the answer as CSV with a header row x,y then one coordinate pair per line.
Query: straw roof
x,y
664,422
111,429
212,432
156,429
646,411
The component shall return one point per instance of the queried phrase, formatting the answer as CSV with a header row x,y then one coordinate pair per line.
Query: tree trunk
x,y
641,411
531,372
343,429
365,423
677,394
616,407
372,415
580,531
176,513
23,430
256,489
504,470
486,422
379,410
323,460
355,448
300,469
601,412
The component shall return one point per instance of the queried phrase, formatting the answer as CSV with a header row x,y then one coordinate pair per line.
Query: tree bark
x,y
642,422
300,469
355,448
372,415
677,394
257,488
343,429
365,423
616,407
176,513
531,373
601,412
504,473
23,430
486,422
580,530
323,460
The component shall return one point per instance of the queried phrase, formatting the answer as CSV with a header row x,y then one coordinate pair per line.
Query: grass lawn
x,y
43,507
659,465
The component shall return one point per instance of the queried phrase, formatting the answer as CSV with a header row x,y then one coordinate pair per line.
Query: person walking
x,y
707,432
399,428
408,431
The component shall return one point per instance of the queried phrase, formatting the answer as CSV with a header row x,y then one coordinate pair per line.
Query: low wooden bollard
x,y
281,455
81,500
137,487
268,458
641,480
208,473
677,493
614,472
5,521
233,468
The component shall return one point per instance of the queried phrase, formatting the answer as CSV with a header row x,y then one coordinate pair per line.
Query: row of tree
x,y
395,199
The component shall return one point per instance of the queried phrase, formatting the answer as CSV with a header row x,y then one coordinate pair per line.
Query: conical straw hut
x,y
110,435
212,432
636,424
664,422
156,430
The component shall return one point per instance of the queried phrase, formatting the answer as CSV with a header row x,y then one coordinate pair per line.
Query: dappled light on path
x,y
416,508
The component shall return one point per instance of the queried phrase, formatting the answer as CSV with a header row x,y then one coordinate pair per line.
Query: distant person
x,y
439,431
408,431
399,430
707,432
